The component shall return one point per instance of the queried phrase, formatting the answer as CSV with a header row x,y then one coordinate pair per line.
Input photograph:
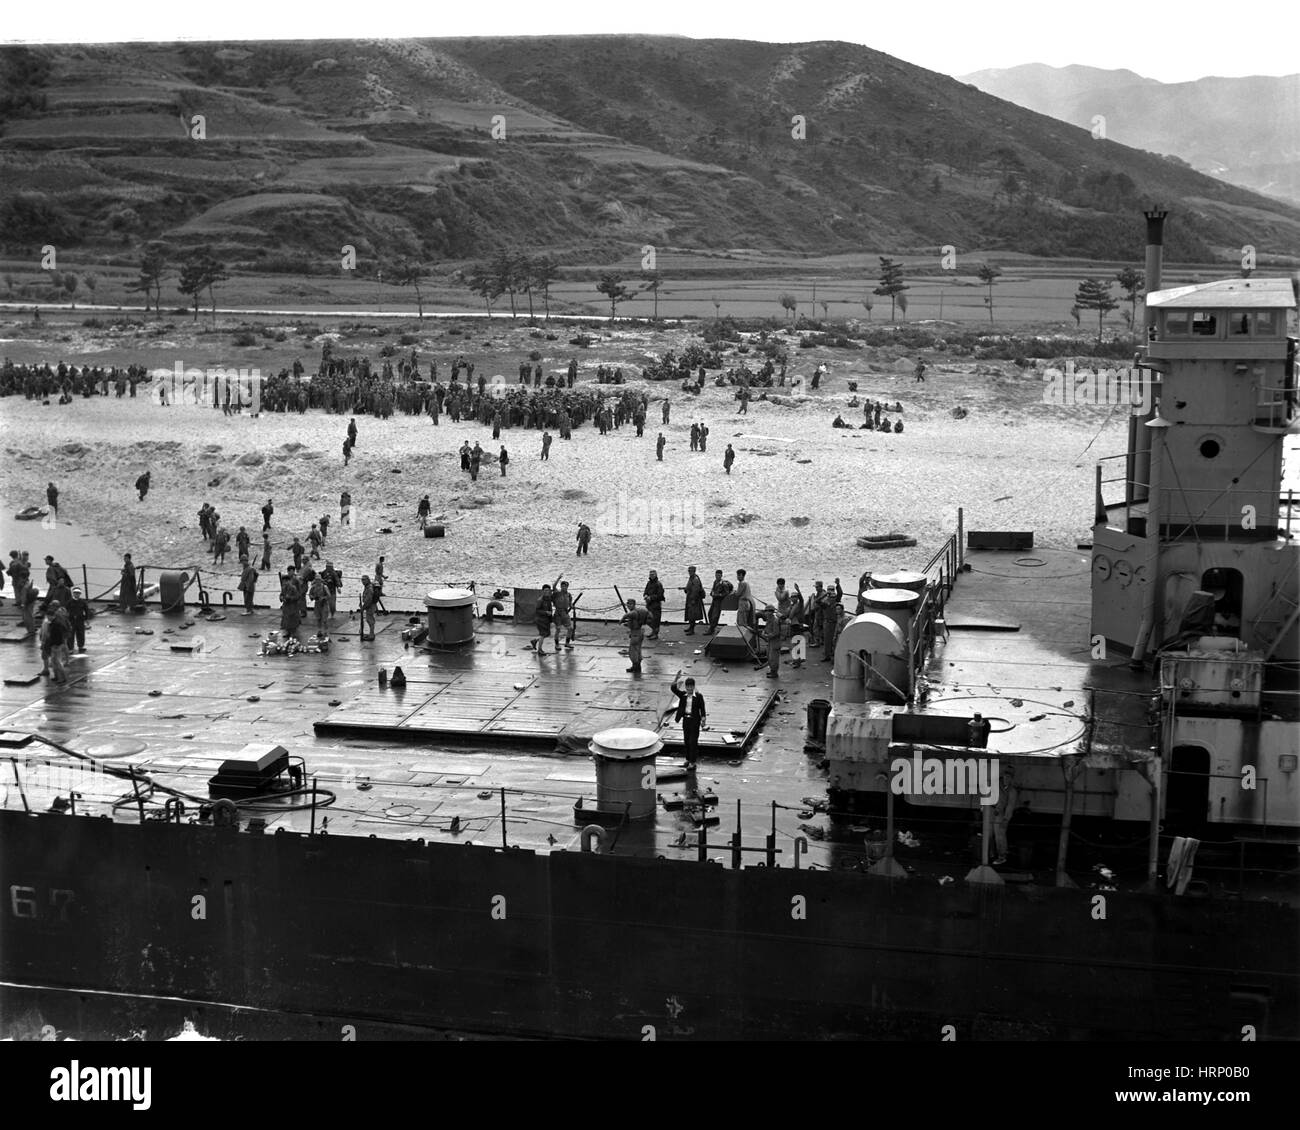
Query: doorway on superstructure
x,y
1226,586
1187,790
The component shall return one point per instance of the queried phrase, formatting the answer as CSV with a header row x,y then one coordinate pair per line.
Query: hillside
x,y
1243,130
609,143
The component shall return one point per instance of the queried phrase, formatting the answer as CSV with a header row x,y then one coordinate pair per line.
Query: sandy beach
x,y
799,495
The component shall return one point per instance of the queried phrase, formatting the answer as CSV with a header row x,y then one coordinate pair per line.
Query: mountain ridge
x,y
448,149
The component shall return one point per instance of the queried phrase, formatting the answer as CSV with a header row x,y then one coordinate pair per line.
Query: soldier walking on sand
x,y
659,447
584,538
345,508
267,511
504,460
52,497
695,437
142,485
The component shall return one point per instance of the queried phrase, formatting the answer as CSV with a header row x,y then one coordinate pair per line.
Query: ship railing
x,y
764,833
1275,403
1135,491
927,621
1227,504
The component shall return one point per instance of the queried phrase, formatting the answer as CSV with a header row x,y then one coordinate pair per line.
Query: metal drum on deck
x,y
451,617
904,579
625,777
897,604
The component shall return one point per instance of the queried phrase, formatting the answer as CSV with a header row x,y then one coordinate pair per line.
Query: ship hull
x,y
304,935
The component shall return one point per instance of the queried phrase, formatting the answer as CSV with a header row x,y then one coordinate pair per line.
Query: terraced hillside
x,y
588,147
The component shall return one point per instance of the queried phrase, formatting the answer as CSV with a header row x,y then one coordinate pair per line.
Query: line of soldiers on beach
x,y
67,382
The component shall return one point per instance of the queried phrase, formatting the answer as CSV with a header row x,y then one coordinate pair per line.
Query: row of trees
x,y
200,271
512,274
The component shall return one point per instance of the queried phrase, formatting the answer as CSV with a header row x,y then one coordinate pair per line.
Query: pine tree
x,y
891,283
1094,294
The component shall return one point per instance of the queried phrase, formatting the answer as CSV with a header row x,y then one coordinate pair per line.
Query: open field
x,y
1029,293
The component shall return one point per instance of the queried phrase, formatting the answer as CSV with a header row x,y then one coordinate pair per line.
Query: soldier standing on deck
x,y
838,618
654,602
635,619
720,591
694,590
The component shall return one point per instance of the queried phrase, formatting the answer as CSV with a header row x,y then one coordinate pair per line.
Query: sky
x,y
1173,43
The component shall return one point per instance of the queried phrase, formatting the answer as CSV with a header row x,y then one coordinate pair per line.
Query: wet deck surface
x,y
516,693
133,701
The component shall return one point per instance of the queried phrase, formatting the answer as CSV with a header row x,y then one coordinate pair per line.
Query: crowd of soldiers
x,y
816,620
873,417
43,382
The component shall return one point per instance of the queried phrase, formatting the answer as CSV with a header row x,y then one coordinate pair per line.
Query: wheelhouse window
x,y
1205,323
1239,325
1176,322
1266,323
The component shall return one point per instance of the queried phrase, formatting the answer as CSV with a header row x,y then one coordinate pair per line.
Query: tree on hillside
x,y
153,264
410,273
70,284
1075,313
1010,187
482,280
508,266
526,283
544,272
891,283
200,271
868,305
611,286
90,280
1131,282
790,303
1094,294
988,276
654,282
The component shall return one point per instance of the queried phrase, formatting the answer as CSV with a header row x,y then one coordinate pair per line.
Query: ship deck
x,y
1017,651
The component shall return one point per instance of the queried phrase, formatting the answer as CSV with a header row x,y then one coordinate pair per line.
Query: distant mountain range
x,y
1243,130
278,154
